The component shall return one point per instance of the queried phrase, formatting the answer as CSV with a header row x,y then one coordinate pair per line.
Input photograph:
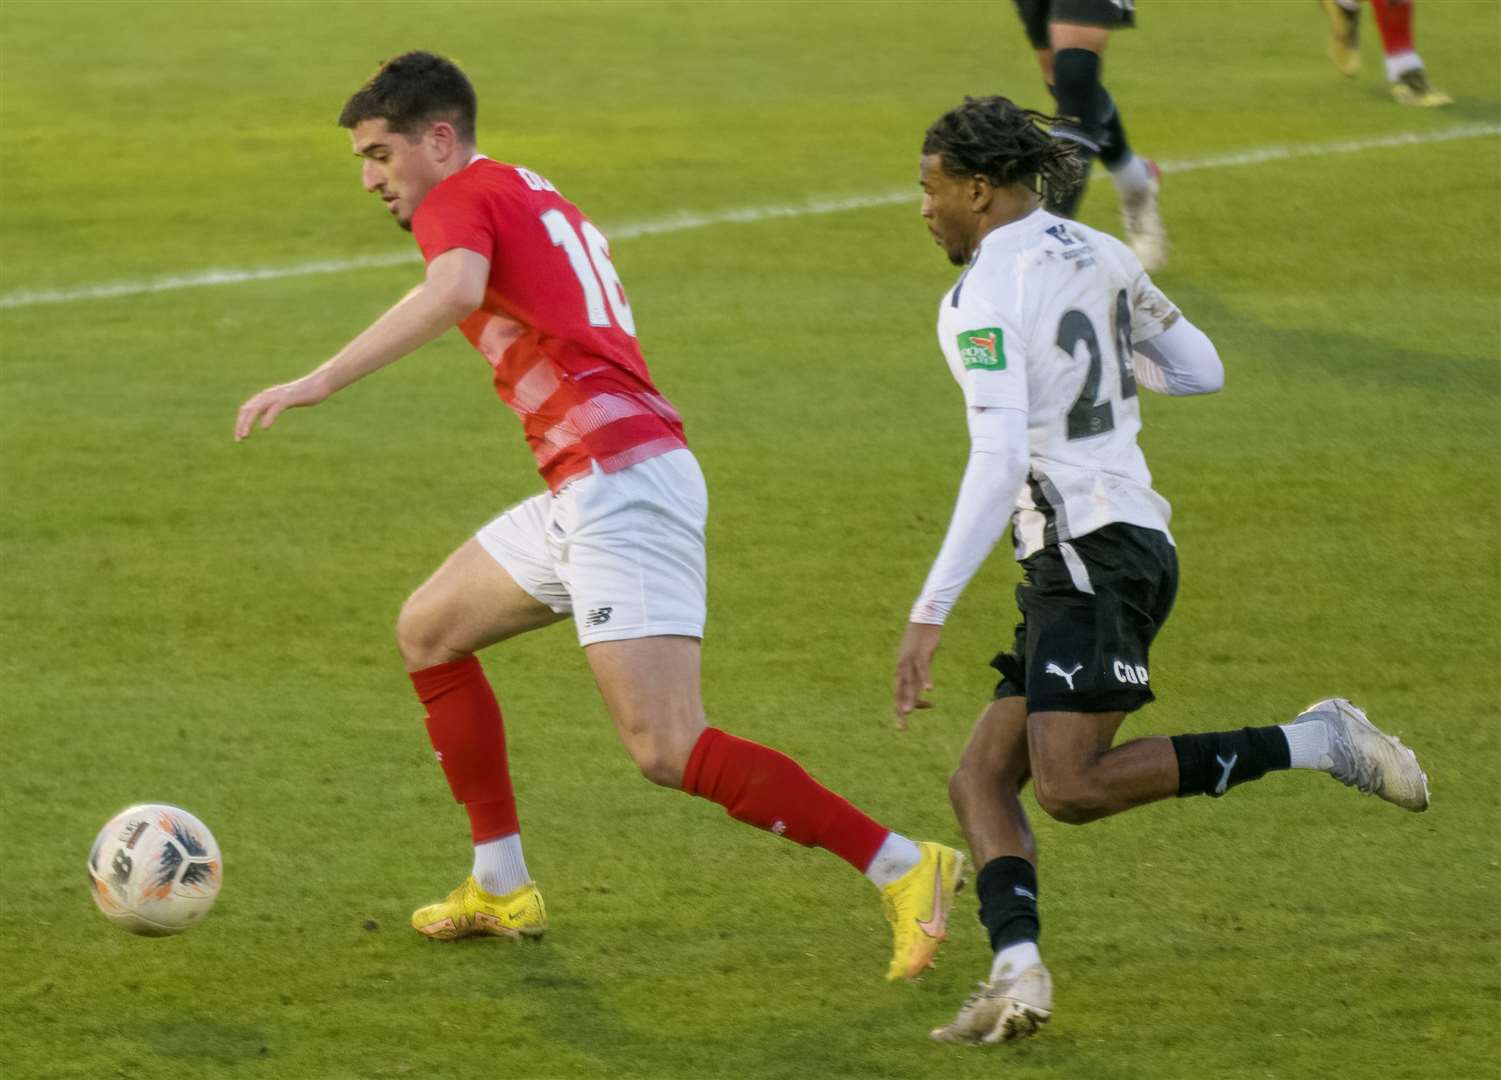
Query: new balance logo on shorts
x,y
599,616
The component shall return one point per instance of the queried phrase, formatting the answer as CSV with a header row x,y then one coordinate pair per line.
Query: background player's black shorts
x,y
1036,14
1086,651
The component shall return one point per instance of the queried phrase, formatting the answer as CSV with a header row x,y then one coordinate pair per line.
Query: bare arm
x,y
454,287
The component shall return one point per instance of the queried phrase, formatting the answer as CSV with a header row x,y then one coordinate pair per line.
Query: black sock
x,y
1212,763
1085,112
1114,148
1007,888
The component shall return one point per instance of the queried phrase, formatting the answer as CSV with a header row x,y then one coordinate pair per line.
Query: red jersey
x,y
555,324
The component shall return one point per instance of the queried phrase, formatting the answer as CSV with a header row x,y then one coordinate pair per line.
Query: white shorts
x,y
623,551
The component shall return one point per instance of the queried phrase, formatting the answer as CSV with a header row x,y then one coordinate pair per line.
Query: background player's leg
x,y
1344,34
1094,125
470,602
1045,64
1404,68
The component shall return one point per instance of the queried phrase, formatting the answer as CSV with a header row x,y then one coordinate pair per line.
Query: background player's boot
x,y
1413,88
1002,1010
917,906
1142,222
1344,37
1363,756
470,910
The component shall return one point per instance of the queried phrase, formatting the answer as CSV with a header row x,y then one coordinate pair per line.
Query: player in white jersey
x,y
1051,331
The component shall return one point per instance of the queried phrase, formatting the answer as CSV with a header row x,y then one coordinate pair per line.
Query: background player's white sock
x,y
1014,959
1132,177
1308,745
894,858
1349,5
1399,64
498,865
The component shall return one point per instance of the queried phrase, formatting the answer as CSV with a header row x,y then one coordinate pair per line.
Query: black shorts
x,y
1036,14
1090,609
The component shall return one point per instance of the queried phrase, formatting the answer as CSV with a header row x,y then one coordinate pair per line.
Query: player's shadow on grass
x,y
205,1041
1287,352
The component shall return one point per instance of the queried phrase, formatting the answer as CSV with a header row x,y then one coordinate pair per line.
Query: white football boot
x,y
1002,1010
1142,222
1363,756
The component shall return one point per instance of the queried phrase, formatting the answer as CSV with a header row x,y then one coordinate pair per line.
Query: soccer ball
x,y
155,870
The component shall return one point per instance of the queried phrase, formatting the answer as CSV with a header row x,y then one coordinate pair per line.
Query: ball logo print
x,y
155,870
982,349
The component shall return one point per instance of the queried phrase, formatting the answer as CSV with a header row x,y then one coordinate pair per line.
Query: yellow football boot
x,y
917,907
1413,88
470,910
1344,37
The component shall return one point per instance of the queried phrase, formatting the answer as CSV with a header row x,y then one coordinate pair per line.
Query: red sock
x,y
765,788
1394,20
463,722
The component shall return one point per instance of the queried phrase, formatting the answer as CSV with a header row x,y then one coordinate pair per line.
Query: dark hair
x,y
995,138
412,91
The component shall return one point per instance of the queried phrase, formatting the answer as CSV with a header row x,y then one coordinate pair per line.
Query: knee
x,y
973,778
659,761
1071,800
662,769
965,781
660,756
419,636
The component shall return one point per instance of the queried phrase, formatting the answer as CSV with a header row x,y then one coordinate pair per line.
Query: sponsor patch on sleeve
x,y
982,349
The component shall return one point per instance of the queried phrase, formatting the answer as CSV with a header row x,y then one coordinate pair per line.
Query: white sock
x,y
1014,959
896,856
1308,744
1352,6
1399,64
1132,177
498,865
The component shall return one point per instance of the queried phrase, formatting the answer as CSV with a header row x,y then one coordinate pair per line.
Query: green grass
x,y
209,624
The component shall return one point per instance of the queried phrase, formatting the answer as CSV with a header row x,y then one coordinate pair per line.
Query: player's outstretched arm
x,y
454,287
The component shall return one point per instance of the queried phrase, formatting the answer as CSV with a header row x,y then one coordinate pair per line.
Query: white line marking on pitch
x,y
687,221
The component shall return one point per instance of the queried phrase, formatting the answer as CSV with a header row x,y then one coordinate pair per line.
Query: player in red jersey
x,y
1404,68
617,540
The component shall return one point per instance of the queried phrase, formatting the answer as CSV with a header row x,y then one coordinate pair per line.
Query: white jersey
x,y
1043,320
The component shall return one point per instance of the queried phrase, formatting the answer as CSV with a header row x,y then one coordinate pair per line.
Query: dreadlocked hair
x,y
995,138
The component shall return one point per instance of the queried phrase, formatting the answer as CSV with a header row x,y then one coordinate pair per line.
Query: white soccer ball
x,y
155,870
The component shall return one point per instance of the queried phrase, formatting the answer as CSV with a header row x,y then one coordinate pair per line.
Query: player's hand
x,y
273,401
918,646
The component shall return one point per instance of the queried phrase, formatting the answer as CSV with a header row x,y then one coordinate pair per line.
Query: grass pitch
x,y
196,622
